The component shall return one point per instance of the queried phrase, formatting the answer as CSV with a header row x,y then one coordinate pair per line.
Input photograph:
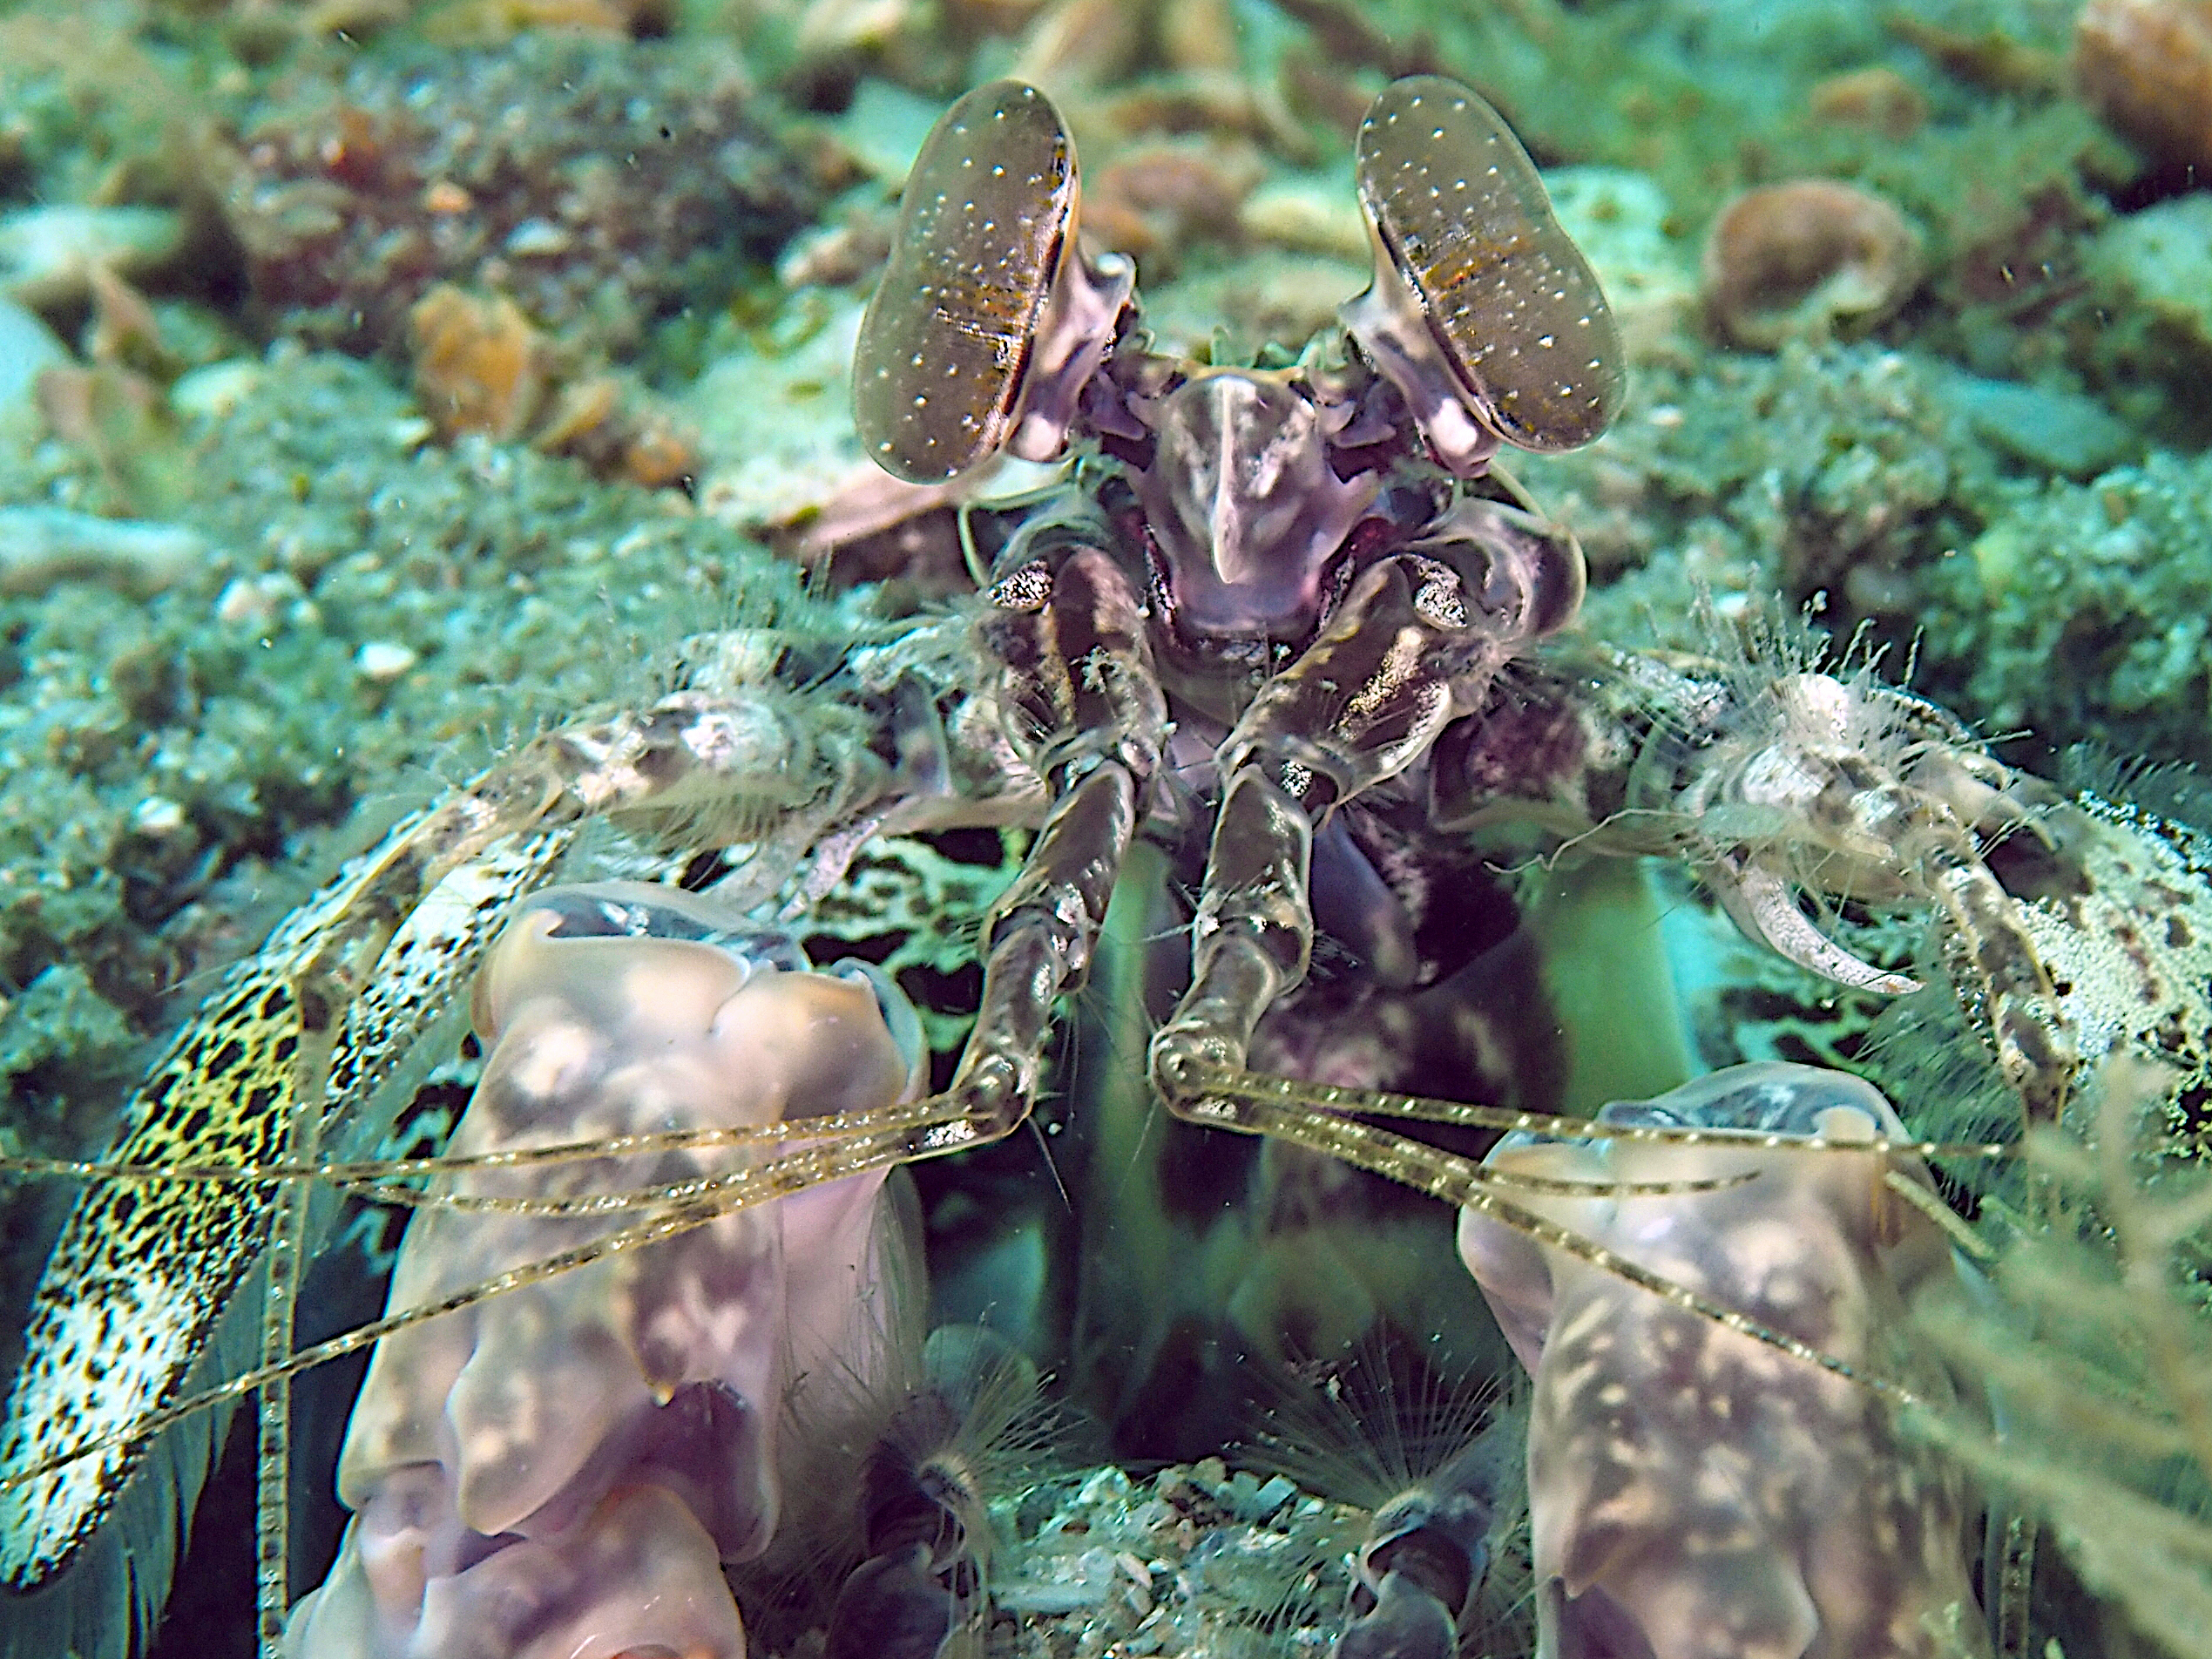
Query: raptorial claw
x,y
487,1448
1765,907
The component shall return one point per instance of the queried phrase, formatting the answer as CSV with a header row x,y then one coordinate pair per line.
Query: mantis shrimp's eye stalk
x,y
987,322
1483,311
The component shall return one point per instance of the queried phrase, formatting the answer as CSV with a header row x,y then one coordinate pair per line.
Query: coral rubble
x,y
597,185
1808,258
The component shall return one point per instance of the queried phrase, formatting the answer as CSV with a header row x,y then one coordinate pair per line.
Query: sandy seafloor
x,y
382,382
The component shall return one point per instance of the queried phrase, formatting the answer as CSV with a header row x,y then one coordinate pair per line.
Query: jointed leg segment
x,y
1411,647
1069,631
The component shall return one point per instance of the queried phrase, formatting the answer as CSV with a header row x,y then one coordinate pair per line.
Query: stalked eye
x,y
1509,300
947,339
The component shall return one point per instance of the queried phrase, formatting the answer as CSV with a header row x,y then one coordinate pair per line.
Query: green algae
x,y
2079,612
174,765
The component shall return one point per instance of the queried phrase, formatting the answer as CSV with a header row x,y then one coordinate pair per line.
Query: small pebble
x,y
43,547
254,602
217,389
384,661
1271,1497
537,238
156,815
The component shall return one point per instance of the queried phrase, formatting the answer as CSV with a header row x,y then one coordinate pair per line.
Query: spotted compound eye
x,y
1508,297
946,342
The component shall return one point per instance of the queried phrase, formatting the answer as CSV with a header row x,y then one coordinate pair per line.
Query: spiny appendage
x,y
134,1288
417,981
2036,1047
832,1147
1781,778
141,1272
1928,848
132,1293
139,1276
135,1284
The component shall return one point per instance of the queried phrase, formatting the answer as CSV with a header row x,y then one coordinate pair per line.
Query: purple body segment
x,y
562,1470
1697,1494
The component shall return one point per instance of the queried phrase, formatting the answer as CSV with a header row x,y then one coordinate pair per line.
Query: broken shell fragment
x,y
2145,67
479,365
1483,311
1810,258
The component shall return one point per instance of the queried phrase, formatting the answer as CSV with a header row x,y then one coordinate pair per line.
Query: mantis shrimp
x,y
1288,624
